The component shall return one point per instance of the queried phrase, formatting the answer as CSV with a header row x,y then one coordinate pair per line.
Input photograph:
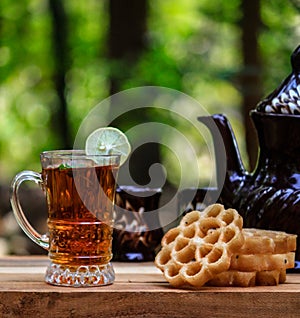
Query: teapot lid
x,y
285,99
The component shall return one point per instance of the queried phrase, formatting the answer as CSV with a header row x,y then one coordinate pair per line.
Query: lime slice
x,y
108,141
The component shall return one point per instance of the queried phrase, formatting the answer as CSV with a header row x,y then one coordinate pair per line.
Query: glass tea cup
x,y
80,191
137,231
190,199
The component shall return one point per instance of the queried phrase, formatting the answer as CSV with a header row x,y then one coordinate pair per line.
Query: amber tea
x,y
80,191
78,200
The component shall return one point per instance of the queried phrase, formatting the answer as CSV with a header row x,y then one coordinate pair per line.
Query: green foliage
x,y
192,46
279,37
25,84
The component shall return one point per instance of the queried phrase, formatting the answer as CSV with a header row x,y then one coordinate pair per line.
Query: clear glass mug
x,y
80,192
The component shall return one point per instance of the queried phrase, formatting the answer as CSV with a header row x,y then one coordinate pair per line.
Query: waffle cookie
x,y
211,247
259,241
201,246
248,279
262,262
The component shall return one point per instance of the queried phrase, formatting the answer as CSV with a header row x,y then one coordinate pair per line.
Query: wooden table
x,y
139,291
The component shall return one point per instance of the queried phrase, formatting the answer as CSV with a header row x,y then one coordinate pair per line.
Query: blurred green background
x,y
58,59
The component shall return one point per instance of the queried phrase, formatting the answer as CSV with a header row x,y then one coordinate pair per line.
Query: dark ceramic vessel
x,y
271,196
268,198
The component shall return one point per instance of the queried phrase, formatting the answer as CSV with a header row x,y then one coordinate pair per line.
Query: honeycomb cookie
x,y
201,246
261,262
258,241
248,279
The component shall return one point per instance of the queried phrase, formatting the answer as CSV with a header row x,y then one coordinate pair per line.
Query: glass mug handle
x,y
41,240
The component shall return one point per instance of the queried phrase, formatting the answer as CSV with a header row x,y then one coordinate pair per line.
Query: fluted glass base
x,y
80,276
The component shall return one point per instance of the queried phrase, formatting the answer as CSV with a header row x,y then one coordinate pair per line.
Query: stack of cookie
x,y
211,247
262,260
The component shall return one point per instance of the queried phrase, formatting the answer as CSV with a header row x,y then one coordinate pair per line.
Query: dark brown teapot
x,y
268,198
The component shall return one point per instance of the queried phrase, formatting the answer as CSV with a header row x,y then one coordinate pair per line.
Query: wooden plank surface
x,y
139,291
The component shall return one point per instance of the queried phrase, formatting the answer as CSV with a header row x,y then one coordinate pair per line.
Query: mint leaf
x,y
64,166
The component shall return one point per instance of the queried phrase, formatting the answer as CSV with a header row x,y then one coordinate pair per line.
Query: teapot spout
x,y
231,172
